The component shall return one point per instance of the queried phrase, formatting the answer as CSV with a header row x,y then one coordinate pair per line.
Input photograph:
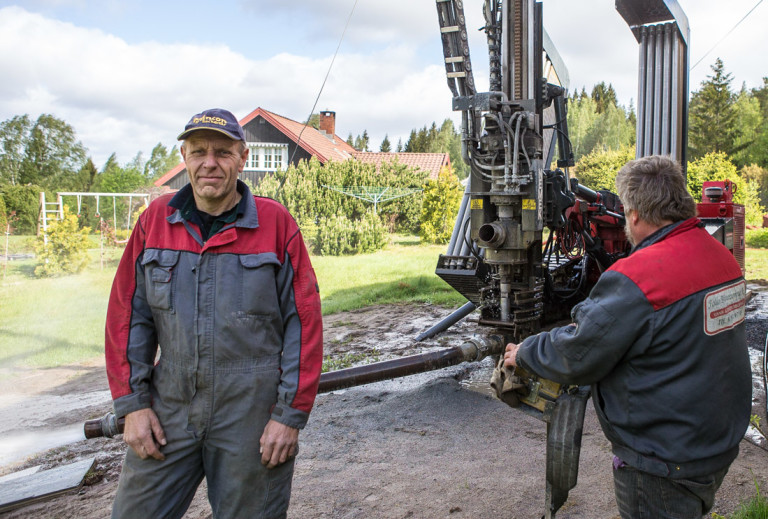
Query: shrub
x,y
440,205
25,200
307,191
598,169
757,238
717,166
339,235
67,249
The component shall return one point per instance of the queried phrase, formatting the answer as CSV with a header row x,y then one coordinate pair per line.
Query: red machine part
x,y
723,218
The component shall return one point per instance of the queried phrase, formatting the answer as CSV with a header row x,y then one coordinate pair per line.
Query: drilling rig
x,y
529,241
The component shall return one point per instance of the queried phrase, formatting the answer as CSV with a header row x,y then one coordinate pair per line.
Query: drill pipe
x,y
475,349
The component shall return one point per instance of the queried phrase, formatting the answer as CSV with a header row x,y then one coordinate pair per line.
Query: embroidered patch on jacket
x,y
725,308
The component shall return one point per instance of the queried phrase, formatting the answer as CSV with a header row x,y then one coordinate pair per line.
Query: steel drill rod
x,y
473,350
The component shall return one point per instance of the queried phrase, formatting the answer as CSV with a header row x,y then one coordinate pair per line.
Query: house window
x,y
266,156
253,158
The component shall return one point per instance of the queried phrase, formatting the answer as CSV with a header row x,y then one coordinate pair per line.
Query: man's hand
x,y
279,442
510,354
144,434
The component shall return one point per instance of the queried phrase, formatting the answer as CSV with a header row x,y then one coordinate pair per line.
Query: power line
x,y
727,34
317,99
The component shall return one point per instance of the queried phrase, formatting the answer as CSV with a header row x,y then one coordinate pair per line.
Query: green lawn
x,y
59,321
756,264
403,272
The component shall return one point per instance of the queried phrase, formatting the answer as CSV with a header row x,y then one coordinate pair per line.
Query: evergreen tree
x,y
712,117
604,96
86,177
386,146
351,140
761,94
399,145
362,141
313,121
444,139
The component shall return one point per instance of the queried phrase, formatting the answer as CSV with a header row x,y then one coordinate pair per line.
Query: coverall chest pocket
x,y
159,278
258,286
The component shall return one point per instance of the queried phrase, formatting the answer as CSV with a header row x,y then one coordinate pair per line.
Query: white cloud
x,y
388,78
124,98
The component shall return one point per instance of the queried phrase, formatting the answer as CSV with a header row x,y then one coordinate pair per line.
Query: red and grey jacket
x,y
661,338
244,301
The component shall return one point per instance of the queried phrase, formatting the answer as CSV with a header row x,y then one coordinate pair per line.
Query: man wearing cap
x,y
221,281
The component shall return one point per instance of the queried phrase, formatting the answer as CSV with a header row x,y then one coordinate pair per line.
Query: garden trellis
x,y
374,194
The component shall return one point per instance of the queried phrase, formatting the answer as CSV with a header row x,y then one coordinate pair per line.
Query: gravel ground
x,y
426,446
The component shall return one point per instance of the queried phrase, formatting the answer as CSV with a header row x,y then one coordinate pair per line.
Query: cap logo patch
x,y
206,119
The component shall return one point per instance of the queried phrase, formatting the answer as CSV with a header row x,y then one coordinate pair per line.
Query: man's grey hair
x,y
655,188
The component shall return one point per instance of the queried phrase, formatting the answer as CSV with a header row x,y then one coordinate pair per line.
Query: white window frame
x,y
266,156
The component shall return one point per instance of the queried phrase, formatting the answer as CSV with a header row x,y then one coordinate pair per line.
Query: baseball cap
x,y
216,119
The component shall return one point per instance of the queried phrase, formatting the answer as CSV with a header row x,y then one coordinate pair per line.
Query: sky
x,y
128,74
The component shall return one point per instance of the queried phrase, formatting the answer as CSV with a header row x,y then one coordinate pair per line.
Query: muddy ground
x,y
434,445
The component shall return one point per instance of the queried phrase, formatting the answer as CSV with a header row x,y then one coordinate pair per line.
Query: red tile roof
x,y
428,162
314,141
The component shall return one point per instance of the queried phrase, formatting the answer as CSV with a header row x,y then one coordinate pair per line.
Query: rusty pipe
x,y
107,426
473,350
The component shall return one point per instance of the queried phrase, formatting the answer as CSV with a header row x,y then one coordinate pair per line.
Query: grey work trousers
x,y
640,495
214,434
238,484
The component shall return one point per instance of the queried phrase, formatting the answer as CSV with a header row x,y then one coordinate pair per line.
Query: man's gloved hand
x,y
506,384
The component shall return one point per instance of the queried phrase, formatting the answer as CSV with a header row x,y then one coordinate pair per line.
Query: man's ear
x,y
244,158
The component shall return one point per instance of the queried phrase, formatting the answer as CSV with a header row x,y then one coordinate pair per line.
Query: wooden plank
x,y
43,485
20,474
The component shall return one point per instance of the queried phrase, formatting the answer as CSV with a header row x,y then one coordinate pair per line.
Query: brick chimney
x,y
328,123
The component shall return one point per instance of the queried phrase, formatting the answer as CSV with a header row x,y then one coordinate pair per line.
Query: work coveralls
x,y
661,339
237,320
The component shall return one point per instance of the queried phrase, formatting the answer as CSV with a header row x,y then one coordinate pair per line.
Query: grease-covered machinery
x,y
530,242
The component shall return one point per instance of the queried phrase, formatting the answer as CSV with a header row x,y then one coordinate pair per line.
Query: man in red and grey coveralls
x,y
661,339
221,281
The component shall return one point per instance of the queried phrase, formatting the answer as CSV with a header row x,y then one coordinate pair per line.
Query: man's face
x,y
213,163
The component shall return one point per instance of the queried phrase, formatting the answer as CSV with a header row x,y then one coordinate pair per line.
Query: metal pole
x,y
456,316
